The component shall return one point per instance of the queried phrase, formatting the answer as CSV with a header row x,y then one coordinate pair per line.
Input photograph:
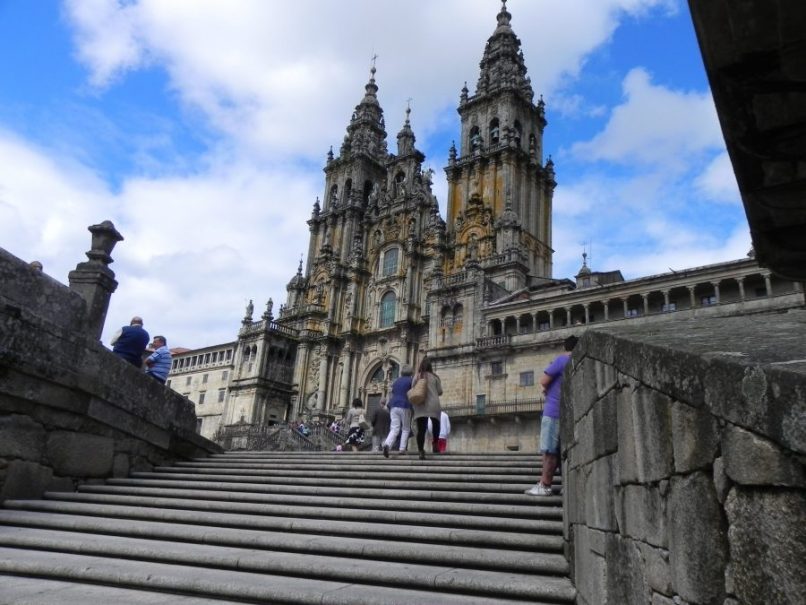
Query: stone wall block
x,y
21,437
657,569
606,378
584,439
605,425
80,454
600,508
25,479
644,515
579,386
753,460
771,400
626,582
697,539
694,438
61,484
120,465
589,568
653,435
767,539
628,467
721,482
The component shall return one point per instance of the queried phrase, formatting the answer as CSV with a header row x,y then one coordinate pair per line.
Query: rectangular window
x,y
496,368
201,397
631,313
207,358
224,375
215,356
527,379
672,306
187,381
199,422
204,378
543,325
707,300
390,262
221,393
229,354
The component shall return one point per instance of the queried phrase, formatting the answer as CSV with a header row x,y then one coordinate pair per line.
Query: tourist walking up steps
x,y
430,408
551,381
399,411
380,421
353,419
444,431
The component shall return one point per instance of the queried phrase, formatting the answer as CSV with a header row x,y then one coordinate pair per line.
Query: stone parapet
x,y
683,452
70,409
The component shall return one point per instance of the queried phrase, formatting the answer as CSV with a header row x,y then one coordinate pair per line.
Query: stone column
x,y
716,292
666,301
691,294
768,284
646,303
606,309
322,378
624,301
587,313
568,316
740,282
94,280
551,319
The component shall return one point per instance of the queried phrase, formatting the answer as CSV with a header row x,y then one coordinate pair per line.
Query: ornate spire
x,y
405,138
502,65
366,133
584,270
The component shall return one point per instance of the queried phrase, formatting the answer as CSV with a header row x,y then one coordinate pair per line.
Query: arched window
x,y
390,262
400,177
475,139
348,190
377,375
367,191
494,131
387,315
518,133
394,371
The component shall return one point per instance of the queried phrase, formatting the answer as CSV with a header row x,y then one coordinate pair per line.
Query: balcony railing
x,y
489,342
495,408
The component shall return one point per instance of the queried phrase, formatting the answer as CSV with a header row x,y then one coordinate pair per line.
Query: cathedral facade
x,y
387,279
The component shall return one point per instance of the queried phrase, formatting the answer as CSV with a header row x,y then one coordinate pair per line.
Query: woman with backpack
x,y
429,408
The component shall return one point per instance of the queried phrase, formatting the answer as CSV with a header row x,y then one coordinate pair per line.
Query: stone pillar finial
x,y
93,279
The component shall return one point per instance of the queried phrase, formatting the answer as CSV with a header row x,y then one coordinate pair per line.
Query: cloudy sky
x,y
200,128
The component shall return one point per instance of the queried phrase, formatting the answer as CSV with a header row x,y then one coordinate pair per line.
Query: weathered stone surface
x,y
653,435
606,378
61,484
694,438
659,599
657,569
21,437
625,573
599,495
641,512
581,390
80,454
697,538
120,465
605,425
753,460
628,465
767,539
589,569
25,480
721,482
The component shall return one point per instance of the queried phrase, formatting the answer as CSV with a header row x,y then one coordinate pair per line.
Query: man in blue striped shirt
x,y
159,362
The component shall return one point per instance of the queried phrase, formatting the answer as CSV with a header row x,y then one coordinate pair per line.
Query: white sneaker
x,y
539,490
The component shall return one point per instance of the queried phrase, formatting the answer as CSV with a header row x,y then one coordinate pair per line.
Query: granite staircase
x,y
265,527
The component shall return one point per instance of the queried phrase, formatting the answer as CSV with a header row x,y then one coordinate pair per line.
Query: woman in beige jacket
x,y
430,408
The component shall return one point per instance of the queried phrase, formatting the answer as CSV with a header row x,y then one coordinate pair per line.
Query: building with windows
x,y
387,280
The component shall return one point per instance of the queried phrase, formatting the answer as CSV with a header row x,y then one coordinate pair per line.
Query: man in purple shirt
x,y
551,381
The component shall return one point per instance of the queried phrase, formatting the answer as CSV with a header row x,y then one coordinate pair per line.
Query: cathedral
x,y
387,280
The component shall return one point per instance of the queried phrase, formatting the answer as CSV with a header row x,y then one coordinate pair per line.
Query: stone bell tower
x,y
499,189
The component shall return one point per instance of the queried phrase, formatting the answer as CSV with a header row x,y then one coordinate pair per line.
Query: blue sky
x,y
200,128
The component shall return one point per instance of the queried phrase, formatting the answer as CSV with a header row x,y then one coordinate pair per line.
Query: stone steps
x,y
244,529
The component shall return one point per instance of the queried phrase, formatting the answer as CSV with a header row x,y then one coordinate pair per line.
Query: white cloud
x,y
718,181
655,125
